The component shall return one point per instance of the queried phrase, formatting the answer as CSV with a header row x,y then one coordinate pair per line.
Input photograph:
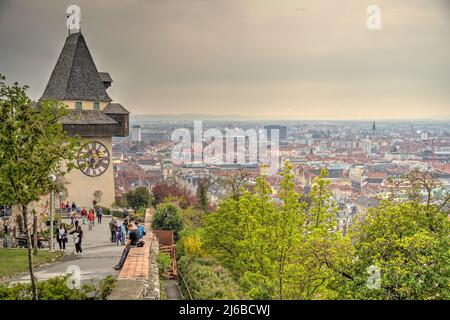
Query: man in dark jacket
x,y
133,238
113,229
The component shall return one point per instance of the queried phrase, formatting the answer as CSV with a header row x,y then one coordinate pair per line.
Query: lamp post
x,y
60,204
52,178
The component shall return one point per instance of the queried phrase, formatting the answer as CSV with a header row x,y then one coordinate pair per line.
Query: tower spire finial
x,y
73,21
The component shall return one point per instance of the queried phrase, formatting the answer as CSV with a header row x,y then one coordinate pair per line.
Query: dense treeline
x,y
288,246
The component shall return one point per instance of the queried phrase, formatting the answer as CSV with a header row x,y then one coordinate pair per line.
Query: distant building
x,y
136,135
282,131
424,136
155,137
364,203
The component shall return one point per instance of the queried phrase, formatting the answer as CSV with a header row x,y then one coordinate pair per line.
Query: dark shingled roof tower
x,y
75,76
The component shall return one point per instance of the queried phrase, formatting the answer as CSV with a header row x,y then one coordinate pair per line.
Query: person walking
x,y
72,217
61,236
74,206
113,229
77,239
119,235
84,215
125,213
123,231
99,215
76,219
131,243
91,219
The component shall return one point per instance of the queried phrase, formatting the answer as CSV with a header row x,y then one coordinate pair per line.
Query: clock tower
x,y
93,116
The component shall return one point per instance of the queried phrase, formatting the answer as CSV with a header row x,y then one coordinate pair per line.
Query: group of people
x,y
128,233
77,213
119,231
62,235
134,233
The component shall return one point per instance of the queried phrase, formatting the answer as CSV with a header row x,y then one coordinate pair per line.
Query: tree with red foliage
x,y
164,190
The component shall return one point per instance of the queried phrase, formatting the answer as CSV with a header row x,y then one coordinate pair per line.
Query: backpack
x,y
140,243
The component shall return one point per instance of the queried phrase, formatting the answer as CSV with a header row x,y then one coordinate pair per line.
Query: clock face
x,y
93,159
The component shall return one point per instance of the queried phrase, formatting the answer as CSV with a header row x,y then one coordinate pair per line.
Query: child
x,y
119,236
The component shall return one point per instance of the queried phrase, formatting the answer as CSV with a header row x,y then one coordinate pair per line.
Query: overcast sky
x,y
305,59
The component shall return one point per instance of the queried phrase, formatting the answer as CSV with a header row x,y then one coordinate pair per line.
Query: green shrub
x,y
164,261
106,286
167,217
106,211
51,289
191,243
140,197
117,214
207,280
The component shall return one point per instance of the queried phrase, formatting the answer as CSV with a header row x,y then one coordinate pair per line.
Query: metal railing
x,y
185,285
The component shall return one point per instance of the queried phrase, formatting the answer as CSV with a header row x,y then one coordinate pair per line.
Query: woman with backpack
x,y
77,239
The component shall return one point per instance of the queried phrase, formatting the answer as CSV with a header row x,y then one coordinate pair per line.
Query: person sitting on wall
x,y
133,238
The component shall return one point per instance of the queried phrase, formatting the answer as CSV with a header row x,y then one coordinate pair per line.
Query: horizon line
x,y
246,118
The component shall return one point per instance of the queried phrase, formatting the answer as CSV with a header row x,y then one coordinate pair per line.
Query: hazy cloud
x,y
277,58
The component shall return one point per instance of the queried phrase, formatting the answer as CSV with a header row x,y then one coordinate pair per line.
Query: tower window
x,y
96,105
78,105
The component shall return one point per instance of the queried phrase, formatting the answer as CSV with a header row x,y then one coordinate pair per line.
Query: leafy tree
x,y
255,237
163,190
234,183
192,218
33,146
203,187
279,249
167,217
257,286
223,232
286,248
323,251
138,198
409,243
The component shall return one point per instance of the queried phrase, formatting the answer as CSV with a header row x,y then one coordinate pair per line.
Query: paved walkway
x,y
97,261
172,290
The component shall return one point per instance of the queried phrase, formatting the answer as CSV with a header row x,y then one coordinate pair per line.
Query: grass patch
x,y
13,261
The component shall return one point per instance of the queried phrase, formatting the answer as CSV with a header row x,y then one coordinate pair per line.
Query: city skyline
x,y
256,60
